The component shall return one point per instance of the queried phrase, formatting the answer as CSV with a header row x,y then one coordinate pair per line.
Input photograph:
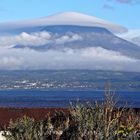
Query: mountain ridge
x,y
86,37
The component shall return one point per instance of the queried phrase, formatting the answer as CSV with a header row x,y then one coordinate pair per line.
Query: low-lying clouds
x,y
24,38
88,58
36,39
92,58
132,35
67,38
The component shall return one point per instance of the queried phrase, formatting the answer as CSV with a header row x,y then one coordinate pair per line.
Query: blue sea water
x,y
62,98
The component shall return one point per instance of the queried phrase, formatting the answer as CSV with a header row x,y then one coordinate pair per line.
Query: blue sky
x,y
123,12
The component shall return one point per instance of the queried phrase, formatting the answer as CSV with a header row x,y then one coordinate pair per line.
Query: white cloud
x,y
36,39
25,39
133,35
10,62
89,58
67,38
86,58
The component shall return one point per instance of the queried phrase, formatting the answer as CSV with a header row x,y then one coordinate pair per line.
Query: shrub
x,y
98,121
21,129
29,129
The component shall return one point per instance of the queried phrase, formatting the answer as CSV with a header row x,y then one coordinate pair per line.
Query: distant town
x,y
80,80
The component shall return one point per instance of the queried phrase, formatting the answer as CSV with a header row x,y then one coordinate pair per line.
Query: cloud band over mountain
x,y
36,39
88,58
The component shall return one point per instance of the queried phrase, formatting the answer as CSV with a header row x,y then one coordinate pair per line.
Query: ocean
x,y
63,98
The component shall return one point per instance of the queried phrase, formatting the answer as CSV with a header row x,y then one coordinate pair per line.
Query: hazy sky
x,y
124,12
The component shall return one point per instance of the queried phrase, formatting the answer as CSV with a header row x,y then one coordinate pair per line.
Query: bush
x,y
102,121
21,129
28,129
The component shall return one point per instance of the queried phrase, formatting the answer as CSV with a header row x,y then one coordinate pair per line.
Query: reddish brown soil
x,y
6,114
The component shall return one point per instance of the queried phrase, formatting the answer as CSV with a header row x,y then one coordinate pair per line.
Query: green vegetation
x,y
99,121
